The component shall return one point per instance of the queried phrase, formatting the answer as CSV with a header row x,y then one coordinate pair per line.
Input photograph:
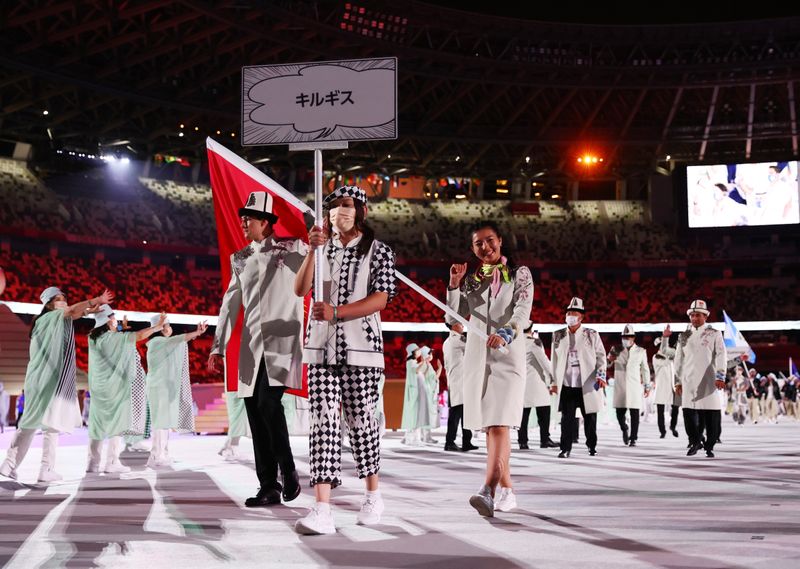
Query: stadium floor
x,y
648,506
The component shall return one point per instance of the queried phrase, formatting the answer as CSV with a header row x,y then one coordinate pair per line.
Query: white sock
x,y
373,494
323,507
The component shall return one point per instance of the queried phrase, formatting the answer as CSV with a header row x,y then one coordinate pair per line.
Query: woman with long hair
x,y
117,384
497,298
51,395
344,352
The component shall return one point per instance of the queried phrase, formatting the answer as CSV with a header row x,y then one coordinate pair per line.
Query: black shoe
x,y
689,445
452,447
674,432
693,450
575,440
719,441
663,435
592,452
469,447
264,497
625,438
563,454
632,443
549,443
710,453
524,446
291,486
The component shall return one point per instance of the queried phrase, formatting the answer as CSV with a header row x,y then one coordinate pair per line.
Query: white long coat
x,y
700,359
664,371
592,359
262,281
539,375
631,374
453,350
494,382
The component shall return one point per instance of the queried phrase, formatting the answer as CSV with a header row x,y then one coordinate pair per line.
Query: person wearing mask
x,y
117,383
579,371
169,389
538,391
664,371
416,412
50,385
771,396
700,366
453,350
631,375
432,374
344,353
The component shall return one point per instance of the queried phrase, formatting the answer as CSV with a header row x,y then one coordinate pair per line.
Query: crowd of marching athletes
x,y
496,365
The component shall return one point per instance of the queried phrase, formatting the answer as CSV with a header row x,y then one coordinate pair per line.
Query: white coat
x,y
262,282
494,382
539,375
700,359
453,350
664,371
631,374
592,359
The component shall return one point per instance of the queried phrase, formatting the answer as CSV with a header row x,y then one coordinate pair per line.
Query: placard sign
x,y
319,102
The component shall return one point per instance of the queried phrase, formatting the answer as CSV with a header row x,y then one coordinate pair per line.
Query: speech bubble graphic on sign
x,y
313,102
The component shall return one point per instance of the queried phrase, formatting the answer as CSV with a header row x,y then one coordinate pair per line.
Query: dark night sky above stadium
x,y
610,12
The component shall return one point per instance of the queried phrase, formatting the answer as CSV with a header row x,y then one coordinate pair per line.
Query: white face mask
x,y
60,304
572,321
627,342
343,218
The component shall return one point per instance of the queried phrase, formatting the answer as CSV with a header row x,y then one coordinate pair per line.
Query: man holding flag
x,y
262,275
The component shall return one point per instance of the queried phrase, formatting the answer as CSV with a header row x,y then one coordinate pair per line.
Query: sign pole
x,y
318,260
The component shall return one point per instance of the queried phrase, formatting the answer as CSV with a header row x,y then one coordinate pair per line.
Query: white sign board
x,y
319,102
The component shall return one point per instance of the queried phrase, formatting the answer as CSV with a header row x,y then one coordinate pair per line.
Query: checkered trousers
x,y
355,390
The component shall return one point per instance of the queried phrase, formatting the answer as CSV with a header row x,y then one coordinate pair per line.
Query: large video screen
x,y
731,195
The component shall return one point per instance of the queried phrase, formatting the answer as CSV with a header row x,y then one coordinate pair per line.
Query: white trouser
x,y
21,443
115,446
160,450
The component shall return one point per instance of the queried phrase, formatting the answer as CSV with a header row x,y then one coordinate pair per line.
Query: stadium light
x,y
45,112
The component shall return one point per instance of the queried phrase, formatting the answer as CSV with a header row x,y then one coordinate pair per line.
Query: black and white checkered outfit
x,y
355,390
336,380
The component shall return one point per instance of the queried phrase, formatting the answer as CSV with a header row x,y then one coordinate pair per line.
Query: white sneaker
x,y
92,467
483,502
507,500
116,467
49,475
319,521
8,471
371,509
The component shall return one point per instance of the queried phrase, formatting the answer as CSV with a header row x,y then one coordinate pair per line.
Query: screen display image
x,y
748,194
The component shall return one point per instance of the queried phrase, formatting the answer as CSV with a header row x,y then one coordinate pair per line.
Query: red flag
x,y
232,180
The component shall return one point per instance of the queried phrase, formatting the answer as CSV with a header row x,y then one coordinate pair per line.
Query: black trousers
x,y
270,434
698,419
572,400
542,417
455,417
634,413
673,420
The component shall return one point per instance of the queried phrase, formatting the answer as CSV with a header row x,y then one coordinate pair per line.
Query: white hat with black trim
x,y
698,306
259,205
576,304
628,330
